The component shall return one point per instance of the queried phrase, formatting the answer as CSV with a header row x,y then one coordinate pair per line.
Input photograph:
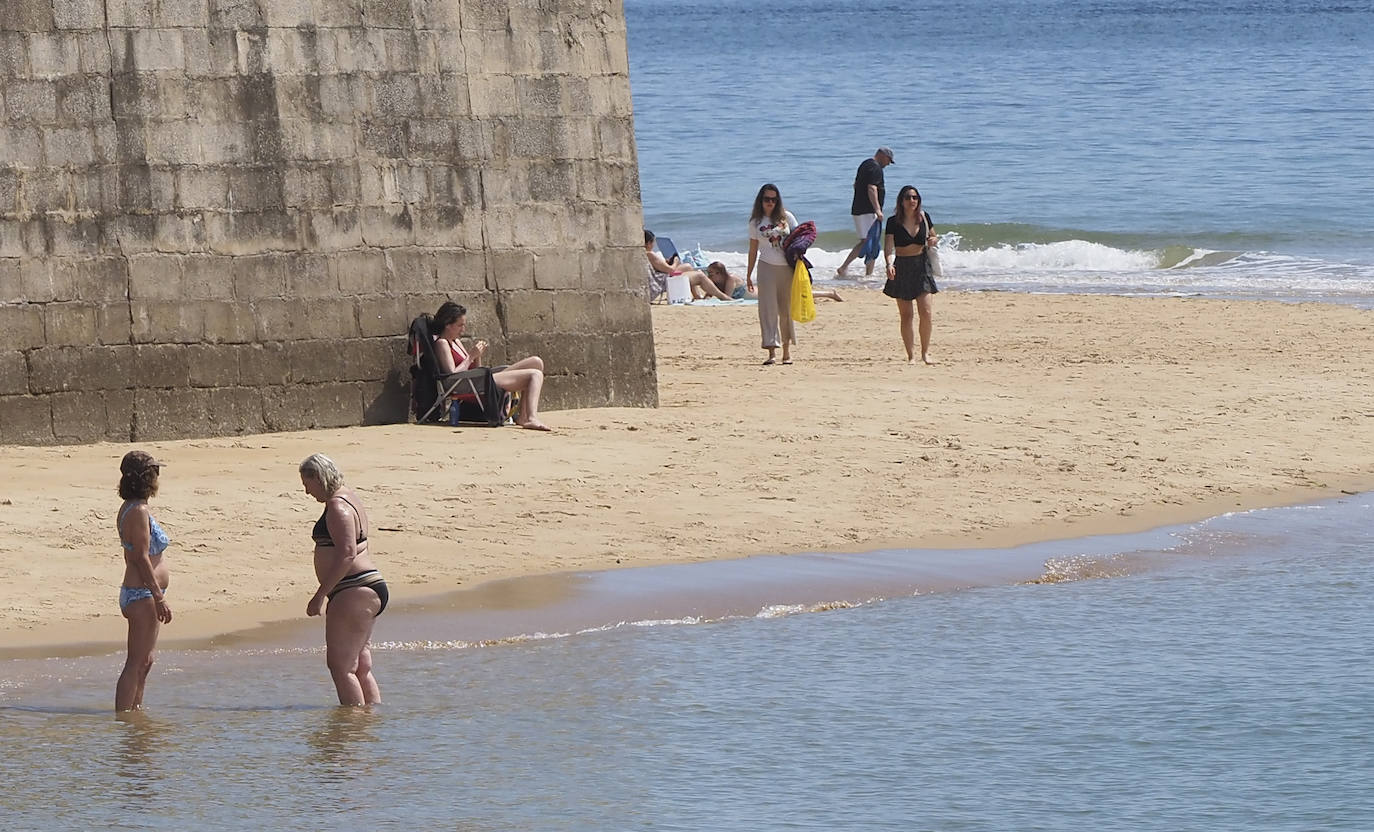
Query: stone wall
x,y
219,216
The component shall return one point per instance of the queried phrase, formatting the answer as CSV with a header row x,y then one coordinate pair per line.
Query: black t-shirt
x,y
870,173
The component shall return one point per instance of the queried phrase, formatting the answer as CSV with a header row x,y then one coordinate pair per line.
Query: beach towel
x,y
799,241
873,243
803,305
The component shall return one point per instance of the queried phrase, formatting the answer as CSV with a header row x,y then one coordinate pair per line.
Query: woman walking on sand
x,y
142,594
769,225
349,582
909,232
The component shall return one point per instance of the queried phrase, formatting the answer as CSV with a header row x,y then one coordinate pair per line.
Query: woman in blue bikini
x,y
349,582
142,595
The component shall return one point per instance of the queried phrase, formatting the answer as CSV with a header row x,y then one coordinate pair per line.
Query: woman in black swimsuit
x,y
909,231
351,584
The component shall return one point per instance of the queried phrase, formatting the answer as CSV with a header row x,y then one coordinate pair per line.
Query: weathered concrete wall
x,y
219,216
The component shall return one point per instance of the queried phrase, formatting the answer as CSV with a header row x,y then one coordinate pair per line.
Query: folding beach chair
x,y
433,395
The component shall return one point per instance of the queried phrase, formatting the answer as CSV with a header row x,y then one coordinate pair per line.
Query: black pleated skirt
x,y
913,279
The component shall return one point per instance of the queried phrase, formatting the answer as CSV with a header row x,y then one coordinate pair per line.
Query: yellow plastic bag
x,y
803,304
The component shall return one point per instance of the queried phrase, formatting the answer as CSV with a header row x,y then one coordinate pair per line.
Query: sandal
x,y
768,362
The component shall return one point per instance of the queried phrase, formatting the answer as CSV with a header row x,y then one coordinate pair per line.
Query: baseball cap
x,y
137,461
887,151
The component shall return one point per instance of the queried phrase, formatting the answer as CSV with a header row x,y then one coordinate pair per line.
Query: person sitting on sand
x,y
701,285
734,285
525,376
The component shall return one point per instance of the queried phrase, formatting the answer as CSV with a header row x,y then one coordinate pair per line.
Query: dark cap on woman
x,y
137,461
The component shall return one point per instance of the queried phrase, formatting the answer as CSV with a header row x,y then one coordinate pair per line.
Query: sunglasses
x,y
912,197
770,199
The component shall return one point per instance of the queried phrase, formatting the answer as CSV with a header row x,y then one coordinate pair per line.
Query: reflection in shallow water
x,y
339,743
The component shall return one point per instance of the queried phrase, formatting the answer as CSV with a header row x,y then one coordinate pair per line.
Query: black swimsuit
x,y
370,578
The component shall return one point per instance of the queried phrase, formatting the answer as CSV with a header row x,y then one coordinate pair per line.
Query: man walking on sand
x,y
867,207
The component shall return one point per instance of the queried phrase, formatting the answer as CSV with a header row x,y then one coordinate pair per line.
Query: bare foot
x,y
535,425
911,361
842,271
837,297
927,359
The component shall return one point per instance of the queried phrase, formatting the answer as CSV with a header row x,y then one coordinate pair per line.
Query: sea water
x,y
1212,676
1181,147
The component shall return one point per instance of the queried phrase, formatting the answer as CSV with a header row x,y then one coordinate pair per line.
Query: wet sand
x,y
1048,417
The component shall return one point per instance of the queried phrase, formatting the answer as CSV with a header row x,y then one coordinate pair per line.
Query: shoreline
x,y
1050,418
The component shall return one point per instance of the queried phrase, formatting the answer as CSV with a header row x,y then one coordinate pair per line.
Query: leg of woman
x,y
699,280
781,279
348,624
768,311
143,630
924,307
528,383
534,362
908,333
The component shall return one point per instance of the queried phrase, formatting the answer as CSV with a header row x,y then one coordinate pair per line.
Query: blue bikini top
x,y
157,543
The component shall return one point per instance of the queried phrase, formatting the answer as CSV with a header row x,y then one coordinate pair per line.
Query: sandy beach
x,y
1047,417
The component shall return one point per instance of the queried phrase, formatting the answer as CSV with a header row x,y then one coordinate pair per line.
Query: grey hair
x,y
323,470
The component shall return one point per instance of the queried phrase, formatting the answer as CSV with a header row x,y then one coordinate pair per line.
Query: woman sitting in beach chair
x,y
525,376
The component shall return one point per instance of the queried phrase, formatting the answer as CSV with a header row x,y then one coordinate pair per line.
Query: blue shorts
x,y
740,292
130,594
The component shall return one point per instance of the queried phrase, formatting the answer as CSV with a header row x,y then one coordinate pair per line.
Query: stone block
x,y
229,322
11,281
361,272
256,277
112,324
526,311
94,52
23,148
130,13
166,321
130,233
212,365
286,15
251,233
357,359
160,365
262,365
206,277
402,49
32,102
202,54
395,96
388,14
25,420
53,55
14,373
170,413
340,14
538,226
155,277
333,229
256,189
448,226
202,188
335,318
154,50
378,316
46,280
498,228
235,411
626,311
555,269
444,95
388,402
69,237
119,415
303,407
539,95
410,271
384,139
69,324
492,95
56,369
78,417
460,271
550,181
101,279
510,270
582,312
237,14
45,190
386,227
309,276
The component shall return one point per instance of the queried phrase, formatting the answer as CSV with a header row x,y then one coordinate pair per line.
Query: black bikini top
x,y
901,238
320,532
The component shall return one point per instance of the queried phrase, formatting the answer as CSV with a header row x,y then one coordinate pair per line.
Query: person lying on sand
x,y
700,284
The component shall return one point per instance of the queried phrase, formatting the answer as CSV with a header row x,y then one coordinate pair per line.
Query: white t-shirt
x,y
770,238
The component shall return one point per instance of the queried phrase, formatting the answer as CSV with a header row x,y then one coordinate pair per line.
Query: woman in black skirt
x,y
909,231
